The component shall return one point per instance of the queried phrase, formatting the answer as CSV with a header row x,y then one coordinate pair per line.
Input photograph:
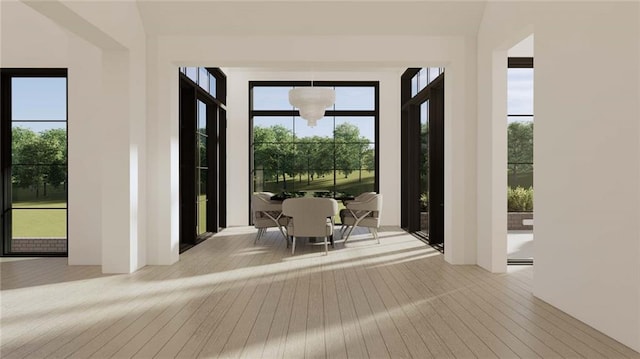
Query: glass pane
x,y
358,181
272,129
433,73
270,180
323,128
213,86
202,151
39,142
422,79
355,98
520,142
38,99
523,119
414,85
203,182
424,166
202,117
274,179
39,186
192,73
39,223
355,129
202,215
203,78
520,175
271,98
520,91
350,157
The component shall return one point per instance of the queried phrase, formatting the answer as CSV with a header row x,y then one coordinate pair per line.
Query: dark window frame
x,y
190,93
6,75
410,186
375,113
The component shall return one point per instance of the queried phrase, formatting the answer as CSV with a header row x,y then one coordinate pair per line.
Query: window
x,y
423,77
202,154
339,155
520,122
34,161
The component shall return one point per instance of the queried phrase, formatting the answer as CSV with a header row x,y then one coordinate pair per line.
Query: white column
x,y
162,158
84,158
113,136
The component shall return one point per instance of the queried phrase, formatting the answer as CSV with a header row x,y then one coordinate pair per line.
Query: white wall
x,y
39,35
586,135
107,173
238,153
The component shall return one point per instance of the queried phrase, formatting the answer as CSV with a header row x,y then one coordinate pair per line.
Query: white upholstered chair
x,y
344,212
364,213
267,214
310,217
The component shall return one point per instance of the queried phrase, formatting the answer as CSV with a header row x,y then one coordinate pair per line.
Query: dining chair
x,y
267,214
364,213
310,217
344,212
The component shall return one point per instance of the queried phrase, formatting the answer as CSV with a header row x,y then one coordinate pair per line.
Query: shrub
x,y
520,199
424,202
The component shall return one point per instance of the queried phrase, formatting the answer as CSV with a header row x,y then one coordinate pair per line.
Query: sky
x,y
35,99
520,94
347,98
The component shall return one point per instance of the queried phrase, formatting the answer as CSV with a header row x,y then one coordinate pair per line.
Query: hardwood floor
x,y
230,298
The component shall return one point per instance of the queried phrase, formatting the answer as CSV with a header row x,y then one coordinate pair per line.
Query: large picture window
x,y
337,156
34,161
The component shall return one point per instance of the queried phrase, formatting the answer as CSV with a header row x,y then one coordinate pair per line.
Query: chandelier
x,y
312,101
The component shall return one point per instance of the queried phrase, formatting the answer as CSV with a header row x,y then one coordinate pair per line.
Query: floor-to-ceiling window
x,y
422,131
33,129
520,160
202,153
337,156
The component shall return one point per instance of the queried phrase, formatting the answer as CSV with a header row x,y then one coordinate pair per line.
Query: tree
x,y
55,142
20,136
350,148
39,158
274,151
520,147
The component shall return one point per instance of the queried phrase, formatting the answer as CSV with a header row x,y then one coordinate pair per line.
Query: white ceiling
x,y
308,18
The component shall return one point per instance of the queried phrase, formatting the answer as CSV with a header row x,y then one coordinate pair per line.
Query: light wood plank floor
x,y
230,298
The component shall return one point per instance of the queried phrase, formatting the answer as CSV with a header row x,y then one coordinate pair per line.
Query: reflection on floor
x,y
520,245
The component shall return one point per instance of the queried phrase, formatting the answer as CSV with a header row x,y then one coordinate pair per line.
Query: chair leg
x,y
293,244
326,246
349,233
258,235
374,231
282,231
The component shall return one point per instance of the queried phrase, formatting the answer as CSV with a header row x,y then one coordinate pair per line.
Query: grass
x,y
352,184
34,223
30,222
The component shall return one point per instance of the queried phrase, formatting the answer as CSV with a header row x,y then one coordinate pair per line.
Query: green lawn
x,y
33,223
352,184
